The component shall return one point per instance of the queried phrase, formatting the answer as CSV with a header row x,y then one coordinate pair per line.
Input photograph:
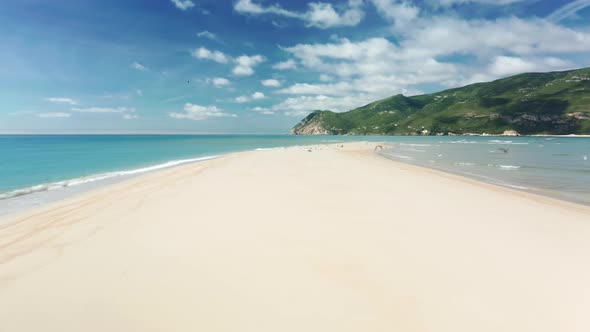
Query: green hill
x,y
532,103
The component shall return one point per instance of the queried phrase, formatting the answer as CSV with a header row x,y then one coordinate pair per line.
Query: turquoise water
x,y
31,164
551,166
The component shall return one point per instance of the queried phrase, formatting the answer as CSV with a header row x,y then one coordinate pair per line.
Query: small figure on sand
x,y
378,147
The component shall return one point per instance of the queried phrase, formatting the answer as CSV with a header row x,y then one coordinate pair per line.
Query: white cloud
x,y
303,105
242,99
204,53
219,82
263,110
568,10
207,34
197,112
104,110
258,95
130,116
62,100
510,65
339,89
400,13
139,92
375,68
321,15
289,64
54,115
271,83
139,66
486,2
246,99
183,4
245,64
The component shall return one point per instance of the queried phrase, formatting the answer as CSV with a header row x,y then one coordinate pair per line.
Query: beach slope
x,y
336,239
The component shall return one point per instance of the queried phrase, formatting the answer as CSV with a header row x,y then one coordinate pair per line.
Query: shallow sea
x,y
35,169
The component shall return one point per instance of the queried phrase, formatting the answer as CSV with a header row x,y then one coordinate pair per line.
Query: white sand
x,y
291,240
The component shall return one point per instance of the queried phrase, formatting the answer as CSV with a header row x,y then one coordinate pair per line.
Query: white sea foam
x,y
509,167
464,164
507,142
414,150
97,177
401,156
414,144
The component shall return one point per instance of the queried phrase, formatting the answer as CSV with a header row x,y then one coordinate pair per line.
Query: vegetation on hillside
x,y
532,103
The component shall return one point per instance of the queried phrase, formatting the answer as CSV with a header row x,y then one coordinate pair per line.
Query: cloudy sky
x,y
259,66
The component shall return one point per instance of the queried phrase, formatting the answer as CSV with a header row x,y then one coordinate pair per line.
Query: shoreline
x,y
107,179
554,196
472,180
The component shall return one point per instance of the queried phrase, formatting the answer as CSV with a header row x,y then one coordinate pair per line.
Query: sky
x,y
260,66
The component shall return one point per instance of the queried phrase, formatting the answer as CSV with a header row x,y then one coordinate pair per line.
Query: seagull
x,y
505,150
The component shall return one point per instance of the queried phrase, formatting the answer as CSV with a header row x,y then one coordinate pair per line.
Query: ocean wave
x,y
413,150
462,142
508,167
401,156
97,177
414,144
507,142
465,164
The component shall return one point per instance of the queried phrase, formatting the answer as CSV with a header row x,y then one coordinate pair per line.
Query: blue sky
x,y
259,66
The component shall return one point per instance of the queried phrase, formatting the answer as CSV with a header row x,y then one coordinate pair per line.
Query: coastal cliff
x,y
555,103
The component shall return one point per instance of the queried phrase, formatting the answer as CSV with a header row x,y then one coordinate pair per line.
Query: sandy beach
x,y
336,239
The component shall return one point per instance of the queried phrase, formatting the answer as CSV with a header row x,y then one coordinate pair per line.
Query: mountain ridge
x,y
553,103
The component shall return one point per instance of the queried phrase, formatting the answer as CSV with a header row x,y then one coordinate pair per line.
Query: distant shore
x,y
307,238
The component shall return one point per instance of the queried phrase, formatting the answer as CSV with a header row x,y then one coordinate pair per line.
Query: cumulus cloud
x,y
54,115
245,64
246,99
62,100
374,68
302,105
400,13
510,65
289,64
206,54
198,112
138,66
271,83
321,15
207,34
183,4
218,82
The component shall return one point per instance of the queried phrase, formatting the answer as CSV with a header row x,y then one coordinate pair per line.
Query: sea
x,y
38,169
